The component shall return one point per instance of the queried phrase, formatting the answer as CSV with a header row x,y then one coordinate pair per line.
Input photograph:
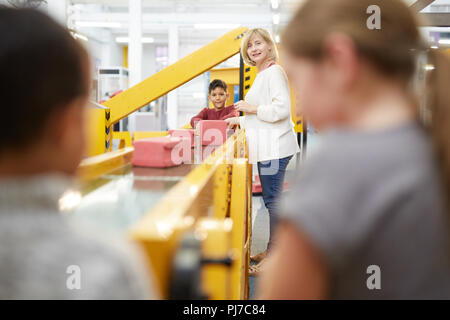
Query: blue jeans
x,y
271,174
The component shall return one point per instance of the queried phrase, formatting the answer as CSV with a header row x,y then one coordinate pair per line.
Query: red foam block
x,y
212,132
257,188
159,152
183,133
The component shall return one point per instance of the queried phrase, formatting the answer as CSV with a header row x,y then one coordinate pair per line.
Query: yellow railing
x,y
94,167
213,201
215,207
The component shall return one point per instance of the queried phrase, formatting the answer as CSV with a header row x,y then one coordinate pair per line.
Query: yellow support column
x,y
216,240
239,214
124,137
297,116
222,191
98,130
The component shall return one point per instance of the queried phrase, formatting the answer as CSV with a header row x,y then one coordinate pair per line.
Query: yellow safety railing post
x,y
94,167
216,240
124,137
221,191
239,215
95,131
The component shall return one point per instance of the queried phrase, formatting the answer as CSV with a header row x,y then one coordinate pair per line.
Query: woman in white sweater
x,y
267,122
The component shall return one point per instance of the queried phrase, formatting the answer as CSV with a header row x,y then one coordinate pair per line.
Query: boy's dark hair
x,y
217,84
43,68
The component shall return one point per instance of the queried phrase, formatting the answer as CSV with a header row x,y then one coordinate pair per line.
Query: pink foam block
x,y
159,152
183,133
212,132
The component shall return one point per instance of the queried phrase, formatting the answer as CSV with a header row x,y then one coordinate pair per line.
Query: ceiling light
x,y
215,26
275,4
444,41
98,24
127,40
80,36
276,18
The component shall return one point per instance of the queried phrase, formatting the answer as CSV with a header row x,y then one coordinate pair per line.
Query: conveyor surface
x,y
120,198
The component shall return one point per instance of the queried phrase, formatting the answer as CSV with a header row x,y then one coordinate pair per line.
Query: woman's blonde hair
x,y
265,35
391,49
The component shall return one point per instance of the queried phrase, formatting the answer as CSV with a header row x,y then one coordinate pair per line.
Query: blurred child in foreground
x,y
368,217
44,90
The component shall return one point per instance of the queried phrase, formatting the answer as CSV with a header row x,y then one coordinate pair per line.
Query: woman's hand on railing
x,y
245,107
232,122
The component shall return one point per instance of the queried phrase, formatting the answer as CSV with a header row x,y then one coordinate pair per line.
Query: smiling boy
x,y
218,95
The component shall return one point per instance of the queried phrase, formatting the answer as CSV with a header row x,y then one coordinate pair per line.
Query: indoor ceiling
x,y
197,20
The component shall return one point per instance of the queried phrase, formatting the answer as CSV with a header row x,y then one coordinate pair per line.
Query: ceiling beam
x,y
419,5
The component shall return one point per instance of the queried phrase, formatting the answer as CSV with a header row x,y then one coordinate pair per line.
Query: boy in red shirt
x,y
218,95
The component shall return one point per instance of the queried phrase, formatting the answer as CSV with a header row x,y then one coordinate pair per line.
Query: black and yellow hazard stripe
x,y
249,76
108,131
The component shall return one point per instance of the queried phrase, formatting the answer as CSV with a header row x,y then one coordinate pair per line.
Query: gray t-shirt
x,y
45,256
375,198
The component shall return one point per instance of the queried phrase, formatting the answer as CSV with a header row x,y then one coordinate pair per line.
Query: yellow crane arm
x,y
175,75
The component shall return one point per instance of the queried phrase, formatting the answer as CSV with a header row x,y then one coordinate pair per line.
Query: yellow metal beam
x,y
148,134
297,116
124,137
187,126
229,75
125,57
175,75
94,167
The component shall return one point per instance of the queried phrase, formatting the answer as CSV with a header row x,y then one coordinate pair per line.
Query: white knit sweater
x,y
270,132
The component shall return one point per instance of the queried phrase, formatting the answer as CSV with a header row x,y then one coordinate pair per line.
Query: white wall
x,y
148,60
112,54
95,49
